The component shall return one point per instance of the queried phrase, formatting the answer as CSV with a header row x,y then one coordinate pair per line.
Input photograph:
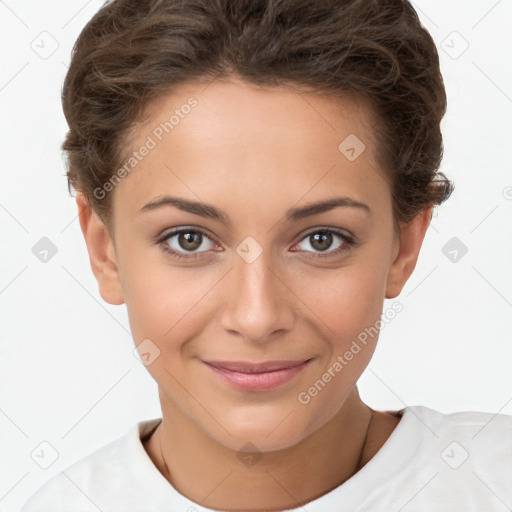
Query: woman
x,y
253,179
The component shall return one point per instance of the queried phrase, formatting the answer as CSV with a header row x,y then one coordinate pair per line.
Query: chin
x,y
269,433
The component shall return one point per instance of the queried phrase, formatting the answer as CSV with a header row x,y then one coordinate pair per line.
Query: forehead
x,y
256,113
273,144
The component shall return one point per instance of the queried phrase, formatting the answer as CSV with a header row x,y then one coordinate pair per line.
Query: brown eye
x,y
184,243
321,240
190,240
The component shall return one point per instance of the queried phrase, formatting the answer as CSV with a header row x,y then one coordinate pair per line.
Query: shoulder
x,y
460,436
473,426
83,484
437,461
463,457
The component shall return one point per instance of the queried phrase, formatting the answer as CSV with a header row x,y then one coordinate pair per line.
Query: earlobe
x,y
102,256
409,245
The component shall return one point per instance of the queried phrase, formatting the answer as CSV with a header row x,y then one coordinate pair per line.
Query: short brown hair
x,y
134,51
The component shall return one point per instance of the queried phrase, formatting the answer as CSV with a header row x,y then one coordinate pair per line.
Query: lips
x,y
246,367
256,377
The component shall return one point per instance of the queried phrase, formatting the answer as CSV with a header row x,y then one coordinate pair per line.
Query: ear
x,y
101,252
407,252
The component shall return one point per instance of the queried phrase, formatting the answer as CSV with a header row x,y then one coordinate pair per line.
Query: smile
x,y
256,376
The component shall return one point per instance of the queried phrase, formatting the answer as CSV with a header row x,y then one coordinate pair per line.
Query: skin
x,y
254,153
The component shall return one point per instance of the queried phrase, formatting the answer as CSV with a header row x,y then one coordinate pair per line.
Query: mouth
x,y
256,376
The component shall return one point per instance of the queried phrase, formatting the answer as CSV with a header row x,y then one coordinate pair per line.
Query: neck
x,y
214,476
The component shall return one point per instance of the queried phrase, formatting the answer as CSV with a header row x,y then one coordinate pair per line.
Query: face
x,y
224,264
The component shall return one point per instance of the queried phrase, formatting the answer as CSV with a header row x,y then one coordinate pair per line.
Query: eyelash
x,y
348,243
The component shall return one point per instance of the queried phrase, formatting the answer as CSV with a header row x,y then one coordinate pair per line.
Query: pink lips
x,y
257,376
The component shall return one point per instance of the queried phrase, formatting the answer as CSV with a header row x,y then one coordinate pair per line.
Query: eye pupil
x,y
192,240
324,239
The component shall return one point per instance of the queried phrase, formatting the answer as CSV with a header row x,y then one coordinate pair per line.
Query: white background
x,y
67,372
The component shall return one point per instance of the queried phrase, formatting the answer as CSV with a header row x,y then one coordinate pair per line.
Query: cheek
x,y
164,302
344,301
346,307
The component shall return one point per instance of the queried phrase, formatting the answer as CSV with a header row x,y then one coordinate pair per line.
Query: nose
x,y
259,303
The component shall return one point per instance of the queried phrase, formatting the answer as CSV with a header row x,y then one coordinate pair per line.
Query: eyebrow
x,y
292,215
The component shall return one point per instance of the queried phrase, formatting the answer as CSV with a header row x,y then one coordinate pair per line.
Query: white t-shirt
x,y
460,462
